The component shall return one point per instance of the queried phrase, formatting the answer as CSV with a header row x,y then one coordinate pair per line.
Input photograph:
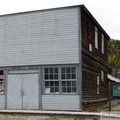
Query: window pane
x,y
74,70
55,70
64,83
69,89
73,76
46,70
68,76
63,76
62,70
51,83
73,89
63,89
56,83
51,70
55,76
47,83
46,77
67,70
69,83
56,89
73,83
51,76
52,89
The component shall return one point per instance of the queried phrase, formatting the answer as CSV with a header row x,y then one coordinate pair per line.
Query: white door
x,y
22,91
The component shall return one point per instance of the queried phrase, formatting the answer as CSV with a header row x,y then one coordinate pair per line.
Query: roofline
x,y
81,6
46,9
96,22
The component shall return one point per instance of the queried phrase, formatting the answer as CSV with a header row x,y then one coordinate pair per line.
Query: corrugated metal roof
x,y
112,78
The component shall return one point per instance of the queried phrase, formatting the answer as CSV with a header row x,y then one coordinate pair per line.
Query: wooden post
x,y
109,90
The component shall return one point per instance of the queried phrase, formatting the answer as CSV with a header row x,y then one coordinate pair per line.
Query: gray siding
x,y
60,102
43,37
2,102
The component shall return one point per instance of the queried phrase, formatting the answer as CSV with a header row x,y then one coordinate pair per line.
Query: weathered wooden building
x,y
94,61
54,59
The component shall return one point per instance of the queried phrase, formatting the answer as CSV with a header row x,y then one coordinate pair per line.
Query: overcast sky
x,y
106,12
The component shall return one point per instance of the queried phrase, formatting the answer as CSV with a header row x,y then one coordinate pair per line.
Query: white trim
x,y
22,71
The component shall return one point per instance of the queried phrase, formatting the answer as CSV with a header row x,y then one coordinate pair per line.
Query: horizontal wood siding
x,y
60,102
42,37
2,102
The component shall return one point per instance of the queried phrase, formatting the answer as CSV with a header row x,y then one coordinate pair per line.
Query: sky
x,y
106,12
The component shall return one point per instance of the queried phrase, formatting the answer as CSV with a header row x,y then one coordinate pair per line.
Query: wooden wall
x,y
93,61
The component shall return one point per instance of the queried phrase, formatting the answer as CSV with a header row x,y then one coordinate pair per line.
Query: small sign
x,y
116,90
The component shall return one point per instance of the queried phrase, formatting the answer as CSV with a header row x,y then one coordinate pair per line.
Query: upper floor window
x,y
102,44
96,37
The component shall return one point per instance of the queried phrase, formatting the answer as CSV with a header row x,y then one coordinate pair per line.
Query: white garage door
x,y
22,91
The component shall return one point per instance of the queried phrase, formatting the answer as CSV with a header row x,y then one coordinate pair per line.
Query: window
x,y
102,47
68,76
1,82
96,37
98,85
102,75
90,47
60,80
51,80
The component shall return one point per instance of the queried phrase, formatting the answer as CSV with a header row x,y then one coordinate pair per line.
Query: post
x,y
109,91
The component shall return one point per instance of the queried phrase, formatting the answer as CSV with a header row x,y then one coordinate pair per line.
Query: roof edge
x,y
96,22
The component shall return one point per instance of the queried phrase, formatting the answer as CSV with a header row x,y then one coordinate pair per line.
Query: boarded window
x,y
102,47
98,85
1,82
96,37
102,75
90,47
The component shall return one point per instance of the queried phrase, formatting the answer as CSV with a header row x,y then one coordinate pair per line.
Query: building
x,y
94,62
54,59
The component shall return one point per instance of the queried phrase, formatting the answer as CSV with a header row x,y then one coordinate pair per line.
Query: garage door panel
x,y
30,87
14,95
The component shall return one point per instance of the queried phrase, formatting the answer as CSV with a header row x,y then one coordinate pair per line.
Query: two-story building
x,y
54,59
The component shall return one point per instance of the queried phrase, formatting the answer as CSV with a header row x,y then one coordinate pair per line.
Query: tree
x,y
114,53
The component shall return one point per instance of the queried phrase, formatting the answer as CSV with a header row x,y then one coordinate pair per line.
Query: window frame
x,y
50,80
60,80
69,80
